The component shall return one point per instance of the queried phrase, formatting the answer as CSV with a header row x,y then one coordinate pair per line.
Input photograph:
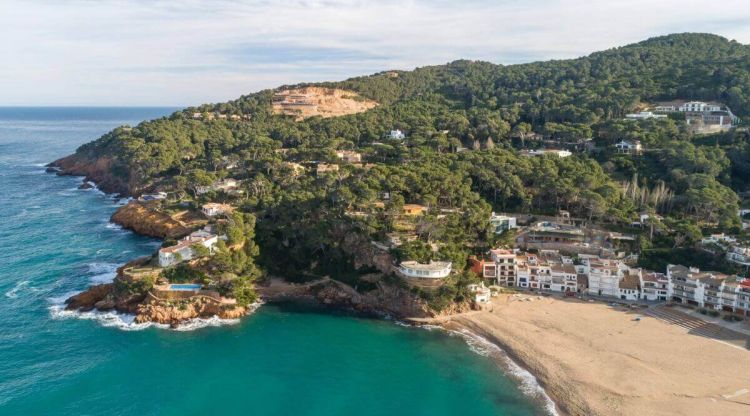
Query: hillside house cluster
x,y
215,115
702,116
549,235
735,252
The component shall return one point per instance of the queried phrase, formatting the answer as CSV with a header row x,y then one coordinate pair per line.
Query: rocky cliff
x,y
97,170
386,299
148,308
145,219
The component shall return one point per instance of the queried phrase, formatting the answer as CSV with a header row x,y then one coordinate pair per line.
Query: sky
x,y
138,52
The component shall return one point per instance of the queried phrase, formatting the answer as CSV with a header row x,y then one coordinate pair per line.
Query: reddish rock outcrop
x,y
144,219
97,170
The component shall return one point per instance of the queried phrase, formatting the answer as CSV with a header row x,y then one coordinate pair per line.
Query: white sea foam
x,y
121,321
113,226
13,293
126,322
529,384
102,272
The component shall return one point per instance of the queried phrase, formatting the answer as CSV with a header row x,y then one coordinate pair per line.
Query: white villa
x,y
395,135
213,209
183,250
629,147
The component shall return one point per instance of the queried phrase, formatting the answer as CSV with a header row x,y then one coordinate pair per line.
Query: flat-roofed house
x,y
502,223
213,209
349,156
413,209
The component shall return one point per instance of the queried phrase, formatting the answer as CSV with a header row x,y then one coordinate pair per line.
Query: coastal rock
x,y
171,313
96,169
386,299
85,185
87,299
144,219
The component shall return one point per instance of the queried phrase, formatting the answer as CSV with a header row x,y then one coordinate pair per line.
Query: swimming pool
x,y
186,287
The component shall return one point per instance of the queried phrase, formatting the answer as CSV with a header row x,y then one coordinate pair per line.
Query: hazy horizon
x,y
141,54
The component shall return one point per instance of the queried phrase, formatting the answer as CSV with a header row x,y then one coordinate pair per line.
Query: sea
x,y
56,240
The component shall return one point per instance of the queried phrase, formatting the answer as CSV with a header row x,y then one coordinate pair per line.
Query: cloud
x,y
143,52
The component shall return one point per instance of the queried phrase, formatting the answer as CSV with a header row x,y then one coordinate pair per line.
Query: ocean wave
x,y
528,382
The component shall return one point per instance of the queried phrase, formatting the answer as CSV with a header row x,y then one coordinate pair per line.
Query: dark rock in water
x,y
52,169
86,185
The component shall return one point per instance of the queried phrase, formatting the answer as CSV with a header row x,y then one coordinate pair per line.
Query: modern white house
x,y
424,275
541,152
395,135
213,209
502,223
739,255
629,147
644,115
183,250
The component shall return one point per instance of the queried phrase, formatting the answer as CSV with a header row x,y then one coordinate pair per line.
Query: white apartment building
x,y
654,286
604,276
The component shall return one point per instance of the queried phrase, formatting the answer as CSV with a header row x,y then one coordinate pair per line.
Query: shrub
x,y
713,313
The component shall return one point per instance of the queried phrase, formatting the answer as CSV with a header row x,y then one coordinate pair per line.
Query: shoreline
x,y
593,359
559,406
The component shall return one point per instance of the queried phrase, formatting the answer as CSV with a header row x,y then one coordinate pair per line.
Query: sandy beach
x,y
594,359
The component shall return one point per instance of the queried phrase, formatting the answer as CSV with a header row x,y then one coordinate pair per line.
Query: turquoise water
x,y
56,240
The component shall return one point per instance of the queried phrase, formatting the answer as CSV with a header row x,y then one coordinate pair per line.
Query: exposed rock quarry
x,y
317,101
145,219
